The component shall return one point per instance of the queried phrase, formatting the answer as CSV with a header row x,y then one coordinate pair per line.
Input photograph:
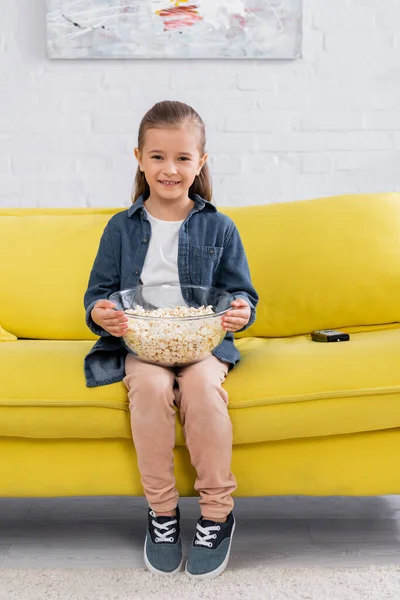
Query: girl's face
x,y
170,160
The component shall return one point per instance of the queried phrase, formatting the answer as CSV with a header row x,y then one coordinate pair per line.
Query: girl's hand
x,y
238,317
113,321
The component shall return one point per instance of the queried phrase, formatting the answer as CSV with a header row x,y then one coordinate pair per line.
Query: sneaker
x,y
210,549
163,546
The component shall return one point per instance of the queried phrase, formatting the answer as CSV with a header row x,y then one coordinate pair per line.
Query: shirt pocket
x,y
205,262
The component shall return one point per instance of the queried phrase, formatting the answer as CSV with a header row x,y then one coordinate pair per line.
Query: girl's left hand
x,y
237,317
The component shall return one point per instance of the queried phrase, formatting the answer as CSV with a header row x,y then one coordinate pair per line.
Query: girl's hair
x,y
173,114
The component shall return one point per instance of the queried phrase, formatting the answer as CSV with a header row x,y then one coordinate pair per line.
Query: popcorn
x,y
173,341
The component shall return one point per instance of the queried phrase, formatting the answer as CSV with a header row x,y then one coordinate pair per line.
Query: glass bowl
x,y
157,337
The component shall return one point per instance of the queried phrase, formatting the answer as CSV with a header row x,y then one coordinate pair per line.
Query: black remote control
x,y
329,335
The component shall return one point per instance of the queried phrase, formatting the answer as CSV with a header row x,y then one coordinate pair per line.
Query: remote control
x,y
329,335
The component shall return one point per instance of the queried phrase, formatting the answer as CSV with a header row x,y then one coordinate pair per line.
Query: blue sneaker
x,y
163,546
210,549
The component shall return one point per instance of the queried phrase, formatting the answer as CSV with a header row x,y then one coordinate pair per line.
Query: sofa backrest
x,y
323,263
47,255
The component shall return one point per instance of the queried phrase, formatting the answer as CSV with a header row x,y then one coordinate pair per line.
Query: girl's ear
x,y
138,158
201,163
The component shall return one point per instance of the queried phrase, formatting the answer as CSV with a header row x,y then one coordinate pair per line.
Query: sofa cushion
x,y
47,257
325,263
282,389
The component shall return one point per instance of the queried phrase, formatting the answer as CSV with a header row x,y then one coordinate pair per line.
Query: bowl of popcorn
x,y
171,324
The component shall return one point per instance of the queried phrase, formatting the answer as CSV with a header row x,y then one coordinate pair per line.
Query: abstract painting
x,y
174,28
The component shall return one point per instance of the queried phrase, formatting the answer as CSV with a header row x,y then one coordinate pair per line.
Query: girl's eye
x,y
156,156
184,158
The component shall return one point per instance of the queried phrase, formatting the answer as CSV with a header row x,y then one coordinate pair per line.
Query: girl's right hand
x,y
113,321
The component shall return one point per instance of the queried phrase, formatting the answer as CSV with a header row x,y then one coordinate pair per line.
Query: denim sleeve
x,y
104,280
234,274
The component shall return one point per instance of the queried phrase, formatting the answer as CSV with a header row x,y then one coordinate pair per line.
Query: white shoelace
x,y
204,535
160,527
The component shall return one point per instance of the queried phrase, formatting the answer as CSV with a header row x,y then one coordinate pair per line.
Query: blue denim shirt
x,y
210,253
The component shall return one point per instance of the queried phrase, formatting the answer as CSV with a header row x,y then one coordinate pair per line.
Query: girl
x,y
173,233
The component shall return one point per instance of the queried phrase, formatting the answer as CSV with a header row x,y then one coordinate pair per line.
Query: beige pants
x,y
197,391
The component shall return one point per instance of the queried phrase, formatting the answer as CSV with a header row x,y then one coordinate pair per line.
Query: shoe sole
x,y
156,571
219,570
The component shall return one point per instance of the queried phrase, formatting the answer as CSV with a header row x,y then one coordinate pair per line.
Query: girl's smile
x,y
168,183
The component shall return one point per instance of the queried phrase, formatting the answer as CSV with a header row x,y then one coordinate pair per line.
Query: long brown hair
x,y
173,114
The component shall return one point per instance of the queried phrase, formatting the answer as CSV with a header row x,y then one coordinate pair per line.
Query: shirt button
x,y
144,240
211,251
137,272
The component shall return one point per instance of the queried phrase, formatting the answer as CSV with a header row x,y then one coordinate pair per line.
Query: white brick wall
x,y
277,130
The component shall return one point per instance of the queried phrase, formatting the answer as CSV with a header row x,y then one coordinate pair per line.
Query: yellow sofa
x,y
309,418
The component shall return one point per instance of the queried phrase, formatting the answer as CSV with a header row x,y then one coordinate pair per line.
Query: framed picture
x,y
174,29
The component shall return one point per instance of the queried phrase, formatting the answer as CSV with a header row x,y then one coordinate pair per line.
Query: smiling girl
x,y
173,233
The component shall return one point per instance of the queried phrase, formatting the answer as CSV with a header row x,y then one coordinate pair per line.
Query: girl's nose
x,y
170,169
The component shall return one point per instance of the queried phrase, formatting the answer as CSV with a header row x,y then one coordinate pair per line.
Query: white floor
x,y
108,532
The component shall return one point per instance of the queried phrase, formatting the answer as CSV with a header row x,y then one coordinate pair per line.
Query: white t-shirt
x,y
161,262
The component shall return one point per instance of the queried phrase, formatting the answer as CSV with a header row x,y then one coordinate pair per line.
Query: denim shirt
x,y
210,253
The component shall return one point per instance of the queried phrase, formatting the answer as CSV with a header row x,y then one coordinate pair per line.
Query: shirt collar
x,y
199,204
